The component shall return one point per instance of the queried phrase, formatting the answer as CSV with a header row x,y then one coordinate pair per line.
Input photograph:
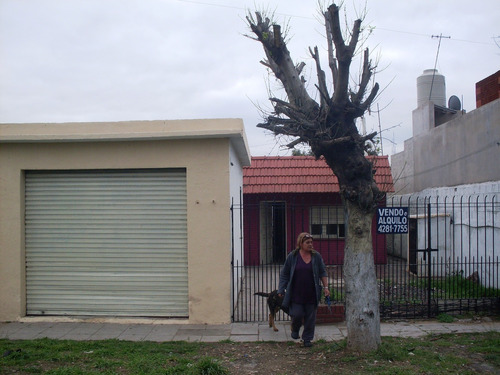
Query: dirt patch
x,y
330,358
273,358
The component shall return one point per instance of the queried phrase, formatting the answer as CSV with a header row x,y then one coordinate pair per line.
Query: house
x,y
450,147
451,165
284,196
119,218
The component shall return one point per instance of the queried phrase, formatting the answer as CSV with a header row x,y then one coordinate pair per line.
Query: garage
x,y
121,220
106,242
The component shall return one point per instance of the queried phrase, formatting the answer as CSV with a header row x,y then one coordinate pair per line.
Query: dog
x,y
274,302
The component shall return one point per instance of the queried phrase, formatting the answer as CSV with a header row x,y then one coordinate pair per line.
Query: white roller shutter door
x,y
108,243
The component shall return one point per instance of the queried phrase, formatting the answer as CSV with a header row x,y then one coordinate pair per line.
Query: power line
x,y
207,3
431,36
210,4
239,8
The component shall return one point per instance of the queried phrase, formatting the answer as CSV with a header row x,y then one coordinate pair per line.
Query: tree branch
x,y
281,63
368,137
343,56
293,113
276,129
294,143
344,53
332,62
354,37
321,79
368,102
300,67
365,79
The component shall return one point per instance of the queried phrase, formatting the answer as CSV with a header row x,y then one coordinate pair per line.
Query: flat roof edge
x,y
122,131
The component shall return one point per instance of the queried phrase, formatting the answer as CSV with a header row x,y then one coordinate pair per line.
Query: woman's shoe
x,y
307,344
295,335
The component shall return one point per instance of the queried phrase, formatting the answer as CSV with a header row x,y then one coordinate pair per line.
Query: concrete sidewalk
x,y
159,331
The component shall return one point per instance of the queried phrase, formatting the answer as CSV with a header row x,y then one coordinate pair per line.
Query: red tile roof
x,y
303,174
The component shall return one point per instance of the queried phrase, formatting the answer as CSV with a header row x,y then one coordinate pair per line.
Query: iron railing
x,y
447,263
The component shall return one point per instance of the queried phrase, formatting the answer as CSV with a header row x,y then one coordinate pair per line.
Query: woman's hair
x,y
301,238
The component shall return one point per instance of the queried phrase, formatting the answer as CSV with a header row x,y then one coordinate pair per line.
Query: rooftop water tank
x,y
431,86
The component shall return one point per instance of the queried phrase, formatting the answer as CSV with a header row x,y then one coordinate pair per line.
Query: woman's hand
x,y
326,291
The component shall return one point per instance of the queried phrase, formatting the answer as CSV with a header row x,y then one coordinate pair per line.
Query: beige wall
x,y
208,210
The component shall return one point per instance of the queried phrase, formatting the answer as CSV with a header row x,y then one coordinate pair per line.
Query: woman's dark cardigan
x,y
286,275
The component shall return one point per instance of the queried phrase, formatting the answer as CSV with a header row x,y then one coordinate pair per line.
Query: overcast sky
x,y
120,60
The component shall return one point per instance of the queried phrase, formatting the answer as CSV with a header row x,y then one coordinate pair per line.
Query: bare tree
x,y
328,126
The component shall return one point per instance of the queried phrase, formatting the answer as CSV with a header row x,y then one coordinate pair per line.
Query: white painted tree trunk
x,y
362,299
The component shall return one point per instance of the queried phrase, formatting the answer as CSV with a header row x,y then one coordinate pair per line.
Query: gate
x,y
447,263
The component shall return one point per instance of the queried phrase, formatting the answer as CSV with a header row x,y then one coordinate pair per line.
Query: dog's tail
x,y
262,294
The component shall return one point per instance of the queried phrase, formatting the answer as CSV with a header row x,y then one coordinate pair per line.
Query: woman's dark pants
x,y
304,313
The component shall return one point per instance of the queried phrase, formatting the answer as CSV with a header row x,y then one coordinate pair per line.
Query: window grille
x,y
327,222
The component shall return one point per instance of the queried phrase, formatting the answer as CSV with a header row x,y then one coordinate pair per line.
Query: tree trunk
x,y
360,195
362,300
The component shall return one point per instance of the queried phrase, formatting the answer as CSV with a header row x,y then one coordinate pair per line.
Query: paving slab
x,y
82,330
162,333
27,331
159,331
244,329
57,331
434,328
267,333
466,328
109,331
328,333
136,332
8,330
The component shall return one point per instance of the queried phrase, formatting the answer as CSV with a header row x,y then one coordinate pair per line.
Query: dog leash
x,y
328,303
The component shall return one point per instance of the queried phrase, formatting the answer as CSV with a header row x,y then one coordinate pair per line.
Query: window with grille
x,y
327,221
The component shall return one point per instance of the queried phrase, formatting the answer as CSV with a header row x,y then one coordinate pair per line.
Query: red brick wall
x,y
488,89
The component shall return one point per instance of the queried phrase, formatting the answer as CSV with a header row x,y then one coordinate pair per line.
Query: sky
x,y
124,60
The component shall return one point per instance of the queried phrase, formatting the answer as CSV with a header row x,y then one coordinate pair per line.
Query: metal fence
x,y
448,262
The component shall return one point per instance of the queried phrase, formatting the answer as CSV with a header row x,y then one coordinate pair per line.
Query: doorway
x,y
272,232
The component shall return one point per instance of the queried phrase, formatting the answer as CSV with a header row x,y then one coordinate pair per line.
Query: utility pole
x,y
380,131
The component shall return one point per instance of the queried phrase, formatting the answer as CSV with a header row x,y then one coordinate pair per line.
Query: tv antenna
x,y
440,36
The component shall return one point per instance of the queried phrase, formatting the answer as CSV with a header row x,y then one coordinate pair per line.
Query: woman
x,y
300,283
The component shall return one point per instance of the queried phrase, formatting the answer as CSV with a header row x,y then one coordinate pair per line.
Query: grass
x,y
445,318
456,286
438,354
60,357
442,354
